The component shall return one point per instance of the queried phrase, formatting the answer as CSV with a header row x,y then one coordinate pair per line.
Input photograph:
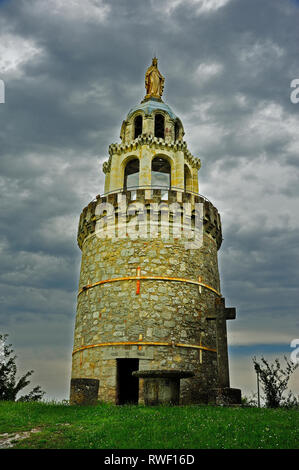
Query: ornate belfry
x,y
151,321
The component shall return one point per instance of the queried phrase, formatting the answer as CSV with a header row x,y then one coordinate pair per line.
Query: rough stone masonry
x,y
150,302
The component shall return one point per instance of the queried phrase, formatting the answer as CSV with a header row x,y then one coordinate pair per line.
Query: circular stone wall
x,y
164,311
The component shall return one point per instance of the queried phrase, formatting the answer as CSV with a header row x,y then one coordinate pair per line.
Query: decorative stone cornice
x,y
151,142
211,216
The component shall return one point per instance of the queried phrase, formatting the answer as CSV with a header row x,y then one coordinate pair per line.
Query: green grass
x,y
139,427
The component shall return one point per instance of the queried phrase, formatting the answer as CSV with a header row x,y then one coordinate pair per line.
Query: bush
x,y
275,380
249,402
9,385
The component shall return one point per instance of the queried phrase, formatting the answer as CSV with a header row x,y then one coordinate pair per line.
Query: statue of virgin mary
x,y
154,81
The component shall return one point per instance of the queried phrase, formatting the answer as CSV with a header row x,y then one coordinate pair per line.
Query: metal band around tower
x,y
152,278
144,343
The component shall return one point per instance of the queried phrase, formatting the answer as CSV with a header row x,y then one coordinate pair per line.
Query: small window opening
x,y
161,172
137,126
131,179
159,125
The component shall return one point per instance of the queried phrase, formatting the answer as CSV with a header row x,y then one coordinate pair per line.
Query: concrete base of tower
x,y
221,396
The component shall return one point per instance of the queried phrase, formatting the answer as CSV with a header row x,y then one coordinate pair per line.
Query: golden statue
x,y
154,81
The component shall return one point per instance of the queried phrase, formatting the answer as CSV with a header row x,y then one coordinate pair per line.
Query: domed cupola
x,y
152,116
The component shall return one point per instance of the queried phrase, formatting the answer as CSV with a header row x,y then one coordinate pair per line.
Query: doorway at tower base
x,y
127,385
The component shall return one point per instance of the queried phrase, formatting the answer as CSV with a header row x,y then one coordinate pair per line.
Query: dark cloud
x,y
72,70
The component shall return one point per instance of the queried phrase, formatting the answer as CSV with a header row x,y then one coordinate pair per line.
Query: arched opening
x,y
176,130
137,126
161,172
187,179
159,126
131,178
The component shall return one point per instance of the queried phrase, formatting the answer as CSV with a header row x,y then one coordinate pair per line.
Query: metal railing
x,y
152,187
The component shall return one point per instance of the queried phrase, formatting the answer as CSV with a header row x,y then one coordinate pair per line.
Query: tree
x,y
274,379
9,385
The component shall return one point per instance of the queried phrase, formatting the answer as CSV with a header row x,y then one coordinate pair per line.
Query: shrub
x,y
274,380
9,385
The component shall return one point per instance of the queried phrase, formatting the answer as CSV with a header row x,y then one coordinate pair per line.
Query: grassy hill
x,y
139,427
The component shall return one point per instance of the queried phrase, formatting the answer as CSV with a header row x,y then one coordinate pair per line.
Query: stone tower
x,y
149,295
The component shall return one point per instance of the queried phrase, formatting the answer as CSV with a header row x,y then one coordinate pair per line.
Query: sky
x,y
72,70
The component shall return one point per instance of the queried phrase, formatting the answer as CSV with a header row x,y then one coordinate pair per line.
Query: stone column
x,y
116,174
169,129
107,182
221,340
195,180
177,176
145,169
148,125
